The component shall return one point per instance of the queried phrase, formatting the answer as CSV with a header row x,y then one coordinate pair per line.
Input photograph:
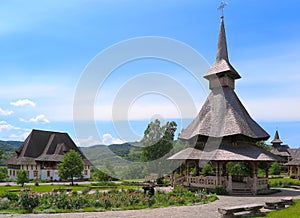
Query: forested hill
x,y
98,154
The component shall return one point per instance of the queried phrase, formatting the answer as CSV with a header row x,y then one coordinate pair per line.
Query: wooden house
x,y
40,154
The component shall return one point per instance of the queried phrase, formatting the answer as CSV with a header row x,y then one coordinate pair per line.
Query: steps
x,y
244,191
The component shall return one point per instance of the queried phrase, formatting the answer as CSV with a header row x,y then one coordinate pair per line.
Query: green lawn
x,y
42,188
291,212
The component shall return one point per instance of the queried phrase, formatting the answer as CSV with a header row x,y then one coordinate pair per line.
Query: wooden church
x,y
223,132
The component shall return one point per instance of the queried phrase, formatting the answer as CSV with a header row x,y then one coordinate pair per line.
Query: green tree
x,y
158,140
22,177
207,170
275,169
238,168
263,145
71,166
3,174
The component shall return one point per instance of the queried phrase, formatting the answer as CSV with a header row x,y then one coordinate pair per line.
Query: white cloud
x,y
276,108
5,112
6,126
107,139
21,136
23,102
89,141
39,119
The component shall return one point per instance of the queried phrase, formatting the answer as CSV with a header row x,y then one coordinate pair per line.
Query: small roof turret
x,y
276,139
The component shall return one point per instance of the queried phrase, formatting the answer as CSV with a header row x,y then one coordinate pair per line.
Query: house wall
x,y
35,172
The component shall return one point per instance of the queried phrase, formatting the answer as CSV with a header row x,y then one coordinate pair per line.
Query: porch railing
x,y
202,181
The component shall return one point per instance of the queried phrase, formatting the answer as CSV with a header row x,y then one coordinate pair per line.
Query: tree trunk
x,y
72,181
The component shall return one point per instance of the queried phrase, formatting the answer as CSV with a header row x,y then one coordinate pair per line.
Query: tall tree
x,y
157,140
71,166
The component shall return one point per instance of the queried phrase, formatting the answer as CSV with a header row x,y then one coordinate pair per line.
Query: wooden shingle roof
x,y
227,152
45,146
222,115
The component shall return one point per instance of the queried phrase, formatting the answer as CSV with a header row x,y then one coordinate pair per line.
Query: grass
x,y
42,188
291,212
283,182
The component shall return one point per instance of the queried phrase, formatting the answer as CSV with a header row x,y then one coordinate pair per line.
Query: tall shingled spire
x,y
222,73
222,52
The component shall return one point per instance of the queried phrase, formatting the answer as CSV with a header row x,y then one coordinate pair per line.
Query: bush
x,y
4,203
28,201
293,176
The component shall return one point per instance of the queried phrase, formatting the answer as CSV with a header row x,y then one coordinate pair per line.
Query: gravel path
x,y
209,210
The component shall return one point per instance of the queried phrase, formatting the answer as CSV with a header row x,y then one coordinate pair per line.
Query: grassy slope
x,y
291,212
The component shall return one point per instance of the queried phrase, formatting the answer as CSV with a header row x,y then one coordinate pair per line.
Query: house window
x,y
35,167
14,174
26,167
48,173
9,172
85,172
31,167
35,173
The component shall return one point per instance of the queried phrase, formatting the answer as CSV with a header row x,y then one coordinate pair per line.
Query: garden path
x,y
209,210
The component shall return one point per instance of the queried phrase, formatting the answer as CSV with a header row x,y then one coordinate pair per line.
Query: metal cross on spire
x,y
221,8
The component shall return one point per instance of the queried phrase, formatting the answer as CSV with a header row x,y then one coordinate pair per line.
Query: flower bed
x,y
100,201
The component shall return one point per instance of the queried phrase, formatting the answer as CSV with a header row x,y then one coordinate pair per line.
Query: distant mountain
x,y
9,148
100,154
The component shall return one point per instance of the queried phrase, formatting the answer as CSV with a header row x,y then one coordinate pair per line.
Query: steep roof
x,y
44,146
222,64
222,115
295,158
227,152
276,139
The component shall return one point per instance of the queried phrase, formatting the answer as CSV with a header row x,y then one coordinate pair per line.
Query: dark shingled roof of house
x,y
44,146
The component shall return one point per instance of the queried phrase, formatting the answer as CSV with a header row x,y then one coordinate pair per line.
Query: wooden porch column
x,y
197,168
187,170
220,172
180,169
217,174
254,173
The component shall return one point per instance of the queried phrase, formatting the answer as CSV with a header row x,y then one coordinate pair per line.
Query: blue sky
x,y
46,46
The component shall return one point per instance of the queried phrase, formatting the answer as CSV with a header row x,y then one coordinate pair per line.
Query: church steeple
x,y
276,141
222,52
222,73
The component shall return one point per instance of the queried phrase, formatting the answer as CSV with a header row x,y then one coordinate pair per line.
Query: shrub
x,y
28,201
11,196
220,191
292,176
4,203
